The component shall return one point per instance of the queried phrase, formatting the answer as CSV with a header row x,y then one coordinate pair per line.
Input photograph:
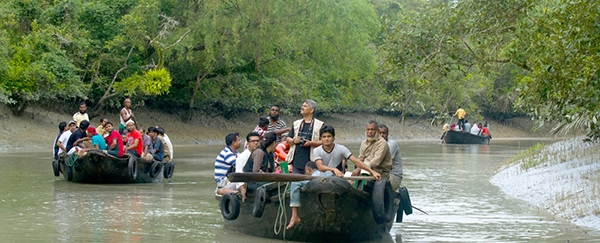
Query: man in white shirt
x,y
81,115
475,129
252,142
64,138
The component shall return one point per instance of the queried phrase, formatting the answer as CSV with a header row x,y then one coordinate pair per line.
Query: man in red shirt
x,y
485,131
134,140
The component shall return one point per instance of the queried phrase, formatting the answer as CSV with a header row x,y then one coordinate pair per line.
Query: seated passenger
x,y
166,143
467,126
375,152
262,127
97,139
157,149
330,155
64,137
310,169
261,159
146,145
114,141
134,140
75,142
485,131
475,129
252,143
224,162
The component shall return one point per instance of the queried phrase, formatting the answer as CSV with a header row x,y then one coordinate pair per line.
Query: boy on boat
x,y
330,155
309,169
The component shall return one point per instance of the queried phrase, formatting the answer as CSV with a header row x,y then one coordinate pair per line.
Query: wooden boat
x,y
456,137
98,167
332,210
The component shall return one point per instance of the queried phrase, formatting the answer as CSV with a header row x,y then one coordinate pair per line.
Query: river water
x,y
450,182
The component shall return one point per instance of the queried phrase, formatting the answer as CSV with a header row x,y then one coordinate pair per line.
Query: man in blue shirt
x,y
225,161
158,149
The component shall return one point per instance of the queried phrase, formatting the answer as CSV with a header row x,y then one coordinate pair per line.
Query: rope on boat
x,y
281,217
72,160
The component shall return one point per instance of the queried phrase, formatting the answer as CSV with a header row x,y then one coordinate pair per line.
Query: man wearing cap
x,y
97,139
81,115
134,140
64,137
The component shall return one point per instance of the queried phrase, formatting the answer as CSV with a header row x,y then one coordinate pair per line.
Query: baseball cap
x,y
72,122
92,130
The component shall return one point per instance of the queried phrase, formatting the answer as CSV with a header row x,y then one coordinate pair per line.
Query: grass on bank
x,y
530,157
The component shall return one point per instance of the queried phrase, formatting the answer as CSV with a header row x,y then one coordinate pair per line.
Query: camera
x,y
302,141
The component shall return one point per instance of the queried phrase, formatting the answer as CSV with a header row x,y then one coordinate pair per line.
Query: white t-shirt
x,y
240,162
475,130
168,141
64,138
334,158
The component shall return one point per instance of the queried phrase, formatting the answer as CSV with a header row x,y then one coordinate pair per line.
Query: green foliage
x,y
151,82
414,57
298,48
559,44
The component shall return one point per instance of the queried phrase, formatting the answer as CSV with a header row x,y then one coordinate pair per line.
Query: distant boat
x,y
456,137
332,211
98,167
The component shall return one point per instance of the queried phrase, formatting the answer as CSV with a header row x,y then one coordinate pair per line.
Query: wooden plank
x,y
275,177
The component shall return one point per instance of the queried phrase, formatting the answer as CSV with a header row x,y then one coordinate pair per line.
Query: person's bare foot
x,y
243,192
293,221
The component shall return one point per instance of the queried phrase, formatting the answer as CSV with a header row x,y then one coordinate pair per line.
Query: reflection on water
x,y
450,182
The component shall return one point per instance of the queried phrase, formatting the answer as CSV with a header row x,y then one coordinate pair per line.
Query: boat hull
x,y
99,167
456,137
331,211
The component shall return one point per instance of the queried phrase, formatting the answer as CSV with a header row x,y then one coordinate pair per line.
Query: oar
x,y
275,177
419,210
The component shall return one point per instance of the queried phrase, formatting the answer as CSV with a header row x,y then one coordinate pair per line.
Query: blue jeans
x,y
295,190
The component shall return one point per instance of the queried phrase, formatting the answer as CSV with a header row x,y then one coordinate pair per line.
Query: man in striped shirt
x,y
225,160
277,125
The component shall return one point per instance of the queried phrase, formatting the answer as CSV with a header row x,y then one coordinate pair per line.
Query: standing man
x,y
225,161
304,137
81,115
276,125
396,173
126,115
461,114
374,151
135,145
